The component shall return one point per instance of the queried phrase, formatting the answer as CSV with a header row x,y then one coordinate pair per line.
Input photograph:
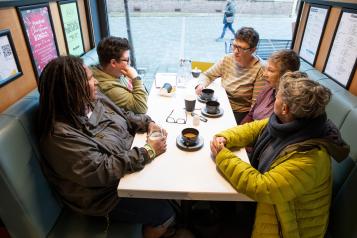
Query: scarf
x,y
276,136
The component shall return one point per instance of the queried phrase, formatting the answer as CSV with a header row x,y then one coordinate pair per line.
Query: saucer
x,y
218,114
204,100
182,146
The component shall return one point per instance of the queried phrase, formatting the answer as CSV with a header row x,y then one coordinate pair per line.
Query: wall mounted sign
x,y
314,28
341,62
71,27
10,68
37,24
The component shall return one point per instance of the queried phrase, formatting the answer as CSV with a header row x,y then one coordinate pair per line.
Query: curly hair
x,y
248,35
287,60
304,97
111,47
64,93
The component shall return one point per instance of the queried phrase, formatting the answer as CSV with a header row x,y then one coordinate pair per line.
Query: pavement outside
x,y
160,41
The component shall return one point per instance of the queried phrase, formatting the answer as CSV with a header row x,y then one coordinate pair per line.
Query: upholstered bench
x,y
342,110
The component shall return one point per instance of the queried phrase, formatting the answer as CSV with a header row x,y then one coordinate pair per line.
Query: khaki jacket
x,y
134,100
86,164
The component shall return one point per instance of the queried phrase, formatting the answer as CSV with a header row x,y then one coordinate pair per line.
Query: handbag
x,y
230,19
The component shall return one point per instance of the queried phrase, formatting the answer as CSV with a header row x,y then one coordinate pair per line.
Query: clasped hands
x,y
217,144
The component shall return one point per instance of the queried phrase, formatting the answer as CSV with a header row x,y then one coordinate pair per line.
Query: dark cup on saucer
x,y
207,94
212,107
189,136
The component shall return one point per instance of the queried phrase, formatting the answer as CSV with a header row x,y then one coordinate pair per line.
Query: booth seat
x,y
342,110
28,205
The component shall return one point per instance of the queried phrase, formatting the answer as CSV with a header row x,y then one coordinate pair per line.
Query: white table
x,y
178,174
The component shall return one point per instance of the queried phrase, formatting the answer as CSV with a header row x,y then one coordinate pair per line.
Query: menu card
x,y
40,36
312,34
72,28
343,54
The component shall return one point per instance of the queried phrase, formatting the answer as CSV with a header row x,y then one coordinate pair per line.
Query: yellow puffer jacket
x,y
293,197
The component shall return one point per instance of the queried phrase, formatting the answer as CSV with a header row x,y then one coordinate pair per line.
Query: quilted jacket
x,y
294,195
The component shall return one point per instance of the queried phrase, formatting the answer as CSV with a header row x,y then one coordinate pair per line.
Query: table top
x,y
178,174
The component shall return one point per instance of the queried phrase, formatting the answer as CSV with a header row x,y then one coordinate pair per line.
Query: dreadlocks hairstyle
x,y
64,93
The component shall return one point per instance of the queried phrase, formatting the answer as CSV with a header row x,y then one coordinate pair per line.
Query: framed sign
x,y
10,68
341,60
315,25
71,27
37,24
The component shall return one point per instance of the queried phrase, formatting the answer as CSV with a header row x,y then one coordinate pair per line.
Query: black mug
x,y
212,107
207,94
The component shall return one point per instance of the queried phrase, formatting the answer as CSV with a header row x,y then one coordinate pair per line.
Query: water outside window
x,y
165,31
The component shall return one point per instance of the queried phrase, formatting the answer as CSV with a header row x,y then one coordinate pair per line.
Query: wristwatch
x,y
150,150
137,78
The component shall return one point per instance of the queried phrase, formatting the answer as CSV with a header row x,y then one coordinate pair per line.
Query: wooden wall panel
x,y
18,88
58,28
84,25
327,37
302,23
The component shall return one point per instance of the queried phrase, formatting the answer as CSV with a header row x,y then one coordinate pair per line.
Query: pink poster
x,y
40,36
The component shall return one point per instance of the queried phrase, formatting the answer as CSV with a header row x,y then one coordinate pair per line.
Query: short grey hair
x,y
304,97
248,35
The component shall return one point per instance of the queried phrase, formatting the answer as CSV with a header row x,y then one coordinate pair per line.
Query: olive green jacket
x,y
294,196
134,100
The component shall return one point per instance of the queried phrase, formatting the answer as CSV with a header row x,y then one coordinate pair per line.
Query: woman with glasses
x,y
117,79
240,72
86,142
289,175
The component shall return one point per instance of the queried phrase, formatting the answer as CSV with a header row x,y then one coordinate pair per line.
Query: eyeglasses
x,y
171,119
239,49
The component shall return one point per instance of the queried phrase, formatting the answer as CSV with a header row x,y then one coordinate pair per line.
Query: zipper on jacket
x,y
279,224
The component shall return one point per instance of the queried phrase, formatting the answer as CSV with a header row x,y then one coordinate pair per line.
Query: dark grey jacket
x,y
85,165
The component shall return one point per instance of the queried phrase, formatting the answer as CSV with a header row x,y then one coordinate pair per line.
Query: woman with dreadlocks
x,y
86,141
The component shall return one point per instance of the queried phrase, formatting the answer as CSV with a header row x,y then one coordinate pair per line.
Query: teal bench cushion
x,y
28,207
344,209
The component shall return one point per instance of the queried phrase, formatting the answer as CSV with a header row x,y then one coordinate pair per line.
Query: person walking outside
x,y
228,19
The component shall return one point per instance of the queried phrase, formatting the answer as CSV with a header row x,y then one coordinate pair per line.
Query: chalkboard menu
x,y
341,63
314,28
37,25
72,27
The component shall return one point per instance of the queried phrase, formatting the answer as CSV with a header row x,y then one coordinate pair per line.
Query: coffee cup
x,y
207,94
196,72
190,102
212,107
189,136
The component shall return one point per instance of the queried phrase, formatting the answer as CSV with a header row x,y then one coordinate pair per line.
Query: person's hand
x,y
129,72
158,144
217,144
198,89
